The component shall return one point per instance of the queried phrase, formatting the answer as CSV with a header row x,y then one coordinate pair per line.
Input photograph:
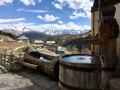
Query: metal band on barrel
x,y
108,69
71,87
82,69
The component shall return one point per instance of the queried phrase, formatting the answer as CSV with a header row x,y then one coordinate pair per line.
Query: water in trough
x,y
78,59
44,59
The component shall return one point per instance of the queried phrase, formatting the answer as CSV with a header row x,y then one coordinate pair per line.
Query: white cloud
x,y
21,25
60,22
76,14
3,2
44,27
39,1
26,2
32,11
68,26
57,5
18,25
11,20
20,9
48,18
83,6
40,17
75,4
30,2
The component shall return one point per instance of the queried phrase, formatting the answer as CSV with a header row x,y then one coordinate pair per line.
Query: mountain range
x,y
15,31
63,32
32,34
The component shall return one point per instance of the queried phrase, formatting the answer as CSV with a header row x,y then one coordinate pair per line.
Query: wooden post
x,y
1,57
109,30
4,61
108,64
11,57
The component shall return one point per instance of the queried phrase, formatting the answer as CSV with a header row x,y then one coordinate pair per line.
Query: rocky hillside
x,y
61,39
71,42
35,35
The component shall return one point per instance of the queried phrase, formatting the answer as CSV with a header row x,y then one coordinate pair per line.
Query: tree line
x,y
8,34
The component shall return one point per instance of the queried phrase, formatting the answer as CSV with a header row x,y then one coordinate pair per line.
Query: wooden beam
x,y
104,3
32,66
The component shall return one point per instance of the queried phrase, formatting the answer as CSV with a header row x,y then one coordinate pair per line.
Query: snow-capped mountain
x,y
12,31
26,29
15,31
62,32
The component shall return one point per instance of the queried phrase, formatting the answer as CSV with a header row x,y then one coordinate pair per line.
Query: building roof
x,y
10,40
38,42
50,42
22,38
61,48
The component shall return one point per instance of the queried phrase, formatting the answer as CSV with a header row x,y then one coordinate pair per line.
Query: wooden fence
x,y
6,59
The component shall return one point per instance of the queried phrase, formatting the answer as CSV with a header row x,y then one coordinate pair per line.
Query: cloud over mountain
x,y
30,2
45,15
45,27
25,2
48,18
31,11
11,20
3,2
82,7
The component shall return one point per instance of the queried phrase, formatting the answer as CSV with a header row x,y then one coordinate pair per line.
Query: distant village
x,y
37,44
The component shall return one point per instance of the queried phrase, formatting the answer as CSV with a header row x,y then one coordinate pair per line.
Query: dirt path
x,y
26,81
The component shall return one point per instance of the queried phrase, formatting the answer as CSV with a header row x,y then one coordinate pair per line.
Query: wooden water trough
x,y
47,64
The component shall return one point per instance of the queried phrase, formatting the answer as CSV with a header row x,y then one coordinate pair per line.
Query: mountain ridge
x,y
34,35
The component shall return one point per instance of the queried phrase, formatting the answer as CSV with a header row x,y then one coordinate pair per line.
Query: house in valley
x,y
61,50
38,43
50,42
23,39
50,45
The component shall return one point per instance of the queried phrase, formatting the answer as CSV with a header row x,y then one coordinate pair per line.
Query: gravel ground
x,y
26,81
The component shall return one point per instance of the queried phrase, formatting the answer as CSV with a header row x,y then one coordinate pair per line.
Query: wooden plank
x,y
70,79
5,60
32,66
108,50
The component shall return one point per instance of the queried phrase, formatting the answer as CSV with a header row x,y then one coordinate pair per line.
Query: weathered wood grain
x,y
32,66
115,83
72,77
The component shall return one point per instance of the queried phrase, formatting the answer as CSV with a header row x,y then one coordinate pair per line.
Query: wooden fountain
x,y
107,40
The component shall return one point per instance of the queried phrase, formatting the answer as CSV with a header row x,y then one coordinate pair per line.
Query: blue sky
x,y
46,14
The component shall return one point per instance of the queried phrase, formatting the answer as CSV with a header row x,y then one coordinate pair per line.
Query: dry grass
x,y
10,46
